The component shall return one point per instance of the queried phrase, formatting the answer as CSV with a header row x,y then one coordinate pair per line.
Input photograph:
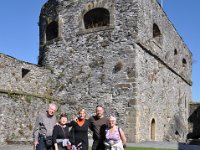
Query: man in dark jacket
x,y
98,125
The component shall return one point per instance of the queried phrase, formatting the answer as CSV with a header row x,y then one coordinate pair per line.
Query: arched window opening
x,y
153,130
97,17
52,31
156,31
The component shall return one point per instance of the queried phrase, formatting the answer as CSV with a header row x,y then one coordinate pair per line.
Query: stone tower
x,y
125,55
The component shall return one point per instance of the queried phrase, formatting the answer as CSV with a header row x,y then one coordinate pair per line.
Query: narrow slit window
x,y
184,62
156,31
157,34
175,52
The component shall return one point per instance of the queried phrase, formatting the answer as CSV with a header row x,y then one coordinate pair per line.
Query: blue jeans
x,y
42,145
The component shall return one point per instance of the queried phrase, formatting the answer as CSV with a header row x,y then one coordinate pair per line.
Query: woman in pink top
x,y
115,135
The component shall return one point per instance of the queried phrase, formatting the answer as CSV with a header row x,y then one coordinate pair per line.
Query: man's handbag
x,y
49,141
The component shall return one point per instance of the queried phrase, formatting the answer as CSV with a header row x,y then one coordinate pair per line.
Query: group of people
x,y
50,134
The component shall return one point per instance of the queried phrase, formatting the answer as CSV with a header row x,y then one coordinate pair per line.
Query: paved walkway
x,y
169,145
16,147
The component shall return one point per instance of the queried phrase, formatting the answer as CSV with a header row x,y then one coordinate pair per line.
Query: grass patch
x,y
143,148
146,148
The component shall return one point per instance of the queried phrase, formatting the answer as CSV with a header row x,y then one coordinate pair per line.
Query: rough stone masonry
x,y
124,55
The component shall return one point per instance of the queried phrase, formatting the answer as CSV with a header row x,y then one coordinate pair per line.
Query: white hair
x,y
53,106
113,118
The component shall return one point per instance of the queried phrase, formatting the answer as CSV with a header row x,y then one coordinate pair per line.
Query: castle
x,y
124,55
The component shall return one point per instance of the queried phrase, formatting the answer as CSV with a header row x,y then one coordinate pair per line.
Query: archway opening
x,y
52,31
153,130
97,17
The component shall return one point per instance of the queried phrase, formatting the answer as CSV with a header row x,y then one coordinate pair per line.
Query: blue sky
x,y
19,29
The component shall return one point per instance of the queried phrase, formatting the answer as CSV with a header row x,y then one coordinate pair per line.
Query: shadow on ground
x,y
184,146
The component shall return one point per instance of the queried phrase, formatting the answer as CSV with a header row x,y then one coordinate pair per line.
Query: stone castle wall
x,y
169,47
25,78
24,92
106,64
164,77
17,116
93,68
145,81
163,97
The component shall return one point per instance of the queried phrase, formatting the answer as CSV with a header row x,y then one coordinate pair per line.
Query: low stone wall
x,y
17,116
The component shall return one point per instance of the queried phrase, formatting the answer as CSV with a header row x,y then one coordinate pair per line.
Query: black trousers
x,y
98,145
